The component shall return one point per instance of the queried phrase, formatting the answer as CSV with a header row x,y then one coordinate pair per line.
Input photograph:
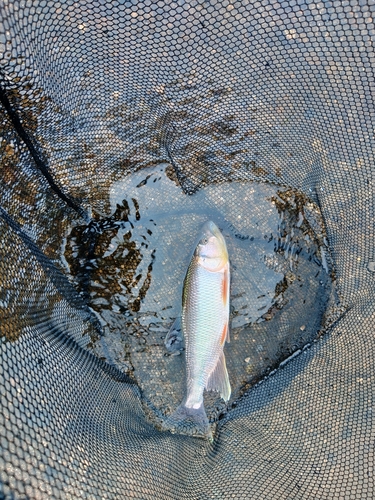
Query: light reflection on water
x,y
279,288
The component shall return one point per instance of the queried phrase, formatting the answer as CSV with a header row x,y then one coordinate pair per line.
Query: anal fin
x,y
218,380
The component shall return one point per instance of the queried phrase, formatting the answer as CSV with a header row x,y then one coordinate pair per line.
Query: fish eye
x,y
205,241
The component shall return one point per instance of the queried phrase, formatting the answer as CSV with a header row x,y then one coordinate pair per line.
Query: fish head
x,y
211,251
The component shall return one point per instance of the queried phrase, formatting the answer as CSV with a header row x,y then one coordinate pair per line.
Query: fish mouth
x,y
209,232
209,228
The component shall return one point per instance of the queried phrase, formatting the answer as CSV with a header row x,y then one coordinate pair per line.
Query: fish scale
x,y
204,319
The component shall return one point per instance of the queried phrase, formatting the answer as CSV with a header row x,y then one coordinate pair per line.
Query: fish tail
x,y
189,421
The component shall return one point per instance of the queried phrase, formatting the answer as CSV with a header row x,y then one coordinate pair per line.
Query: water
x,y
133,273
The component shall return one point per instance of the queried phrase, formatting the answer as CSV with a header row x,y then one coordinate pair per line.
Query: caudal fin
x,y
189,421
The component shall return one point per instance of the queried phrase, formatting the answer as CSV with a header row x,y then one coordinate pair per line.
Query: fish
x,y
205,329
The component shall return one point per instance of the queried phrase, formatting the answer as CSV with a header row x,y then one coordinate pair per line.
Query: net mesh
x,y
220,92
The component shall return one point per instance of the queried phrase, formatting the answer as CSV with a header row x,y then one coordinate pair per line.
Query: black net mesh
x,y
124,126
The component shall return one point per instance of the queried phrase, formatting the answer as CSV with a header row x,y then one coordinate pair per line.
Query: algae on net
x,y
280,272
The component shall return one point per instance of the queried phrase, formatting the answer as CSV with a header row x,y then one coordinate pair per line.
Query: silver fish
x,y
205,328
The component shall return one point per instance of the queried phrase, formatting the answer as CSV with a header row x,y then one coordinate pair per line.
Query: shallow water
x,y
280,277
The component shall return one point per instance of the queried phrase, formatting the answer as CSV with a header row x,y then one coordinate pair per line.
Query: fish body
x,y
205,327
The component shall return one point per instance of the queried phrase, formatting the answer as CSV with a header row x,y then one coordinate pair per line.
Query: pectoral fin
x,y
225,334
225,284
218,380
174,339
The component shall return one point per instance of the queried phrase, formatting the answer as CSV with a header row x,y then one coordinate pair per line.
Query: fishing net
x,y
124,127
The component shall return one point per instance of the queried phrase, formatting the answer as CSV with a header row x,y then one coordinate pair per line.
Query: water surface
x,y
280,276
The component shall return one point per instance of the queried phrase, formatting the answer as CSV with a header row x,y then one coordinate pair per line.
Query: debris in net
x,y
324,260
300,220
287,360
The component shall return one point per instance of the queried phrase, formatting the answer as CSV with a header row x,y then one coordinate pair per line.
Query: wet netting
x,y
125,126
